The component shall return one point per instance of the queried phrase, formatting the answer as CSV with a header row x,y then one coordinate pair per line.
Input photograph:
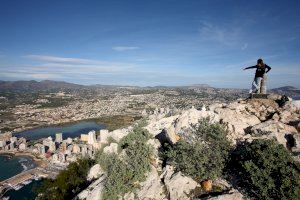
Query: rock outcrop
x,y
95,172
244,120
231,195
94,190
178,186
152,188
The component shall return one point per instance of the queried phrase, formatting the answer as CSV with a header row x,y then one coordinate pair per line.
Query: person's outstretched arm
x,y
250,67
268,68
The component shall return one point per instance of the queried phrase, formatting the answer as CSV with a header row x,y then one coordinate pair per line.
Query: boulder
x,y
273,129
184,122
171,134
152,188
292,106
95,172
94,190
178,186
231,195
296,143
112,148
155,127
192,116
285,116
236,122
275,97
128,196
120,133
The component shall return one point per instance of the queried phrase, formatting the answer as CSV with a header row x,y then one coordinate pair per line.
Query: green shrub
x,y
267,170
124,174
202,154
68,182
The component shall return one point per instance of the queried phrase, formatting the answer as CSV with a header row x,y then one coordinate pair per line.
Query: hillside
x,y
33,86
288,91
212,153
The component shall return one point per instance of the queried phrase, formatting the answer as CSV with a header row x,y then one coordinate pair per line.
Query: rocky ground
x,y
245,120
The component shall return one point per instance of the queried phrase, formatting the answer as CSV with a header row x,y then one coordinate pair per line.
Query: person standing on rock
x,y
261,70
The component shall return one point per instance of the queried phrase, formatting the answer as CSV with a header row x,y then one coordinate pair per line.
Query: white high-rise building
x,y
52,146
92,137
42,149
58,137
13,139
47,142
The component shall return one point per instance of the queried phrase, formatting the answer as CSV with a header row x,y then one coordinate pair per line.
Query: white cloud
x,y
124,48
23,75
226,35
76,64
57,59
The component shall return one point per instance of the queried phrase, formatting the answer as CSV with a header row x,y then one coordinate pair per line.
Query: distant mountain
x,y
201,86
31,86
288,91
286,88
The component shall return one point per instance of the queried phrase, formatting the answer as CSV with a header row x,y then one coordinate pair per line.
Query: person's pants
x,y
256,85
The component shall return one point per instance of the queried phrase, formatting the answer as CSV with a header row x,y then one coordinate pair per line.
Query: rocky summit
x,y
244,121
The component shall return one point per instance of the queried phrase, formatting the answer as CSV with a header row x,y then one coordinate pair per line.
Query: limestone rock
x,y
171,135
112,148
120,133
155,159
94,172
192,116
231,195
155,127
292,106
236,122
275,97
178,186
128,196
94,190
152,188
296,139
212,107
184,122
274,129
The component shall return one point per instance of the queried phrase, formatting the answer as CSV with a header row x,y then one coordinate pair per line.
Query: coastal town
x,y
51,154
44,109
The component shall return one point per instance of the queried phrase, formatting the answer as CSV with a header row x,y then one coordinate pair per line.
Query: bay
x,y
13,165
68,130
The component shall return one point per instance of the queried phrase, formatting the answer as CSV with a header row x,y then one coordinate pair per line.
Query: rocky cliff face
x,y
245,120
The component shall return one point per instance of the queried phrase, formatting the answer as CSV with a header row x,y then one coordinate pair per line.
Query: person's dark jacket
x,y
260,71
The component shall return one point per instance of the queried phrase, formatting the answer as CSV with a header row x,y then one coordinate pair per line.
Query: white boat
x,y
17,187
27,182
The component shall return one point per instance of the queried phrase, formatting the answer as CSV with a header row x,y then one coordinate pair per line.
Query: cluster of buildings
x,y
106,102
12,144
56,150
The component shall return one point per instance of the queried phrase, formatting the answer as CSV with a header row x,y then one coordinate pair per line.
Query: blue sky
x,y
147,42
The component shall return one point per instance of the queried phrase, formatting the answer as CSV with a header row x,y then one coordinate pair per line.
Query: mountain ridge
x,y
33,85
